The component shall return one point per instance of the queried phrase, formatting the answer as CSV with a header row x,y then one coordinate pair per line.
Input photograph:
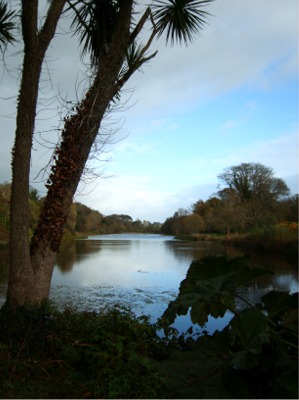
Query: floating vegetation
x,y
150,301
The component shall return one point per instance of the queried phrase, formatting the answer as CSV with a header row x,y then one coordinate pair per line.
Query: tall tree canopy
x,y
108,32
258,190
254,181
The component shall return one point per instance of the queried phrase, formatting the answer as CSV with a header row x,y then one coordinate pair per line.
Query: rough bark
x,y
30,282
78,136
21,274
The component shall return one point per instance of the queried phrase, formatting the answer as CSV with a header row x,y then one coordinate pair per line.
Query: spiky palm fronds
x,y
181,19
6,25
95,22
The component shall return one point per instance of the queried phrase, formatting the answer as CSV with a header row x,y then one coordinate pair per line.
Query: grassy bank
x,y
281,238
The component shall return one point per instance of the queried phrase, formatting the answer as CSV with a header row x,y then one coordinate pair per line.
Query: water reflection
x,y
194,250
143,272
67,257
127,260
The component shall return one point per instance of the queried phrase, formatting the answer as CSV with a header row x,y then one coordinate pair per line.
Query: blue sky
x,y
230,97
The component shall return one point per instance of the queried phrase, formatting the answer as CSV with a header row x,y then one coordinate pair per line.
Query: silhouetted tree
x,y
108,32
258,190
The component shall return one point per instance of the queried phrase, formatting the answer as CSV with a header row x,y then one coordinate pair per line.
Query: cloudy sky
x,y
230,97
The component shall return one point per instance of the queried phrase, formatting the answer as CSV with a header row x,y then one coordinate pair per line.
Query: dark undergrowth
x,y
46,353
49,354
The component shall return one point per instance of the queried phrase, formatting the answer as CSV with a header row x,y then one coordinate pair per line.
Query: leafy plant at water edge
x,y
256,355
210,287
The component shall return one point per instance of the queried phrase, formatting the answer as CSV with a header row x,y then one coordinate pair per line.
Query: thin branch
x,y
140,25
139,62
48,30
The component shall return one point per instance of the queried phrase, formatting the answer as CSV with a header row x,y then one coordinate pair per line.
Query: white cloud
x,y
239,47
139,199
247,44
129,148
128,195
280,154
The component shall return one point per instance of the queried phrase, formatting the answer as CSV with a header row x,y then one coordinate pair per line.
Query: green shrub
x,y
271,239
49,354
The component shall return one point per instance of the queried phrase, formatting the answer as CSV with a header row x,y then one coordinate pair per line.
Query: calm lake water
x,y
143,272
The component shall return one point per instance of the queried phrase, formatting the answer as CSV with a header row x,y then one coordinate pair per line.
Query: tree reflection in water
x,y
105,270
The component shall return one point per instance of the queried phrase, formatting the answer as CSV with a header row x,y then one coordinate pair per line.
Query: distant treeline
x,y
252,198
223,216
82,220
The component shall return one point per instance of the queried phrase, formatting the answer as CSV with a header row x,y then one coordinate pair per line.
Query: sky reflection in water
x,y
143,272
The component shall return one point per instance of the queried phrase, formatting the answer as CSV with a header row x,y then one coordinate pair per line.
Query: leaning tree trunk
x,y
78,136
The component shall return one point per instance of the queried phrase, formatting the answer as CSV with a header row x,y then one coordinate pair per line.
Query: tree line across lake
x,y
252,199
82,220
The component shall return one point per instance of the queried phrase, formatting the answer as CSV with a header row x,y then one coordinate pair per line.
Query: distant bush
x,y
280,238
273,238
206,237
291,226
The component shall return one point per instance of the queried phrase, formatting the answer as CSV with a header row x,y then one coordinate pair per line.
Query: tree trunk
x,y
21,282
78,136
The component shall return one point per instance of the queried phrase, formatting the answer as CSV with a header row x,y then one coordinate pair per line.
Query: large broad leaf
x,y
210,286
199,313
287,382
251,330
244,360
248,274
278,303
221,269
209,267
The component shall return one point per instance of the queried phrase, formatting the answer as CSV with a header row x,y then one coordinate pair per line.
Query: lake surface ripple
x,y
143,272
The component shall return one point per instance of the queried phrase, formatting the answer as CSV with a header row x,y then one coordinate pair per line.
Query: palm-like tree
x,y
109,33
6,25
181,19
96,20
